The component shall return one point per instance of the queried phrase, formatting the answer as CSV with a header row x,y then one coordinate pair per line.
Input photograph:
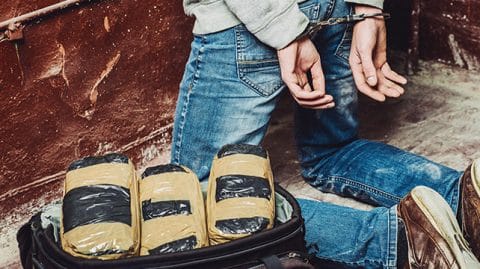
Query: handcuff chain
x,y
353,18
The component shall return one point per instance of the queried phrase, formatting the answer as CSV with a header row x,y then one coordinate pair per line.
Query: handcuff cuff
x,y
313,28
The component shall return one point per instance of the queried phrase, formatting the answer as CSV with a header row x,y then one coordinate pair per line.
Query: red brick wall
x,y
96,77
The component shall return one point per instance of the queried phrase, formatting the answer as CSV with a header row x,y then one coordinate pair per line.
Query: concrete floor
x,y
438,117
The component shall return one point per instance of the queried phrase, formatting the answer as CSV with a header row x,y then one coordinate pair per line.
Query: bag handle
x,y
272,262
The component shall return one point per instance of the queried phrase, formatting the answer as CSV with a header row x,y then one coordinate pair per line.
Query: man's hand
x,y
368,58
296,60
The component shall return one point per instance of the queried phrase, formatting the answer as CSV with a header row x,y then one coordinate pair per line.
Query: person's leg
x,y
230,87
215,107
334,159
419,232
343,237
223,101
228,92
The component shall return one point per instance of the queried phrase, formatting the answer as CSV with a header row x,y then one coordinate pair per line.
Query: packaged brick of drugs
x,y
100,208
240,198
173,211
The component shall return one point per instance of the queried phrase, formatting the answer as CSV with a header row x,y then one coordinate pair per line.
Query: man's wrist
x,y
366,9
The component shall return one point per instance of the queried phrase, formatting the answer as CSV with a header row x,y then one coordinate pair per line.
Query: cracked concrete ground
x,y
438,117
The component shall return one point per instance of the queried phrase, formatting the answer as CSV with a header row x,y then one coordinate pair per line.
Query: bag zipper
x,y
292,255
211,259
132,264
282,257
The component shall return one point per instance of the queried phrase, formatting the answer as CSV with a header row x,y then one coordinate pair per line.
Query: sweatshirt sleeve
x,y
373,3
274,22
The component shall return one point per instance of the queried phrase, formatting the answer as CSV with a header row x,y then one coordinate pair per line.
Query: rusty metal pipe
x,y
39,12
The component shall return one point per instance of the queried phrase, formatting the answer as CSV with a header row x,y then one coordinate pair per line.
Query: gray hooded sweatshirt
x,y
274,22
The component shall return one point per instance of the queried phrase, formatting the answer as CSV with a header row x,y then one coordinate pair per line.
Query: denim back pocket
x,y
257,63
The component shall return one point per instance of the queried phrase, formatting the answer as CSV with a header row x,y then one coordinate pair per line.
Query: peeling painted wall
x,y
450,32
102,76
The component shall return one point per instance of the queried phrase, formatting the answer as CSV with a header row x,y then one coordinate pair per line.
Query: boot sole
x,y
441,216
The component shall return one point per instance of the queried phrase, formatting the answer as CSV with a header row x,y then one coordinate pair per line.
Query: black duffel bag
x,y
274,248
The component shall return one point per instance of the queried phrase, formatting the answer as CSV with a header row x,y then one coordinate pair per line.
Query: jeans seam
x,y
455,200
341,44
362,263
366,187
183,114
391,259
330,8
314,14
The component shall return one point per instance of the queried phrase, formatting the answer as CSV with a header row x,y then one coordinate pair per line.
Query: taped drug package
x,y
173,211
100,208
240,198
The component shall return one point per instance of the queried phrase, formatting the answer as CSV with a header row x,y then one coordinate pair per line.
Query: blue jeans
x,y
230,87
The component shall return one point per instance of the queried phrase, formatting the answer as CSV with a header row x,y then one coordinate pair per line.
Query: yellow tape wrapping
x,y
119,174
161,230
238,207
104,240
92,239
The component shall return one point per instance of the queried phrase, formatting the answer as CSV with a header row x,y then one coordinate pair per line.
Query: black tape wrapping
x,y
161,169
183,244
165,208
95,204
93,160
233,186
242,225
232,149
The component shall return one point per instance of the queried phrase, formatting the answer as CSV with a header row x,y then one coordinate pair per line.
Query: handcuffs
x,y
313,28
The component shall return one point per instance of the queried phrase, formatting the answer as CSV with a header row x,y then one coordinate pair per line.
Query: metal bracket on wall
x,y
14,26
13,33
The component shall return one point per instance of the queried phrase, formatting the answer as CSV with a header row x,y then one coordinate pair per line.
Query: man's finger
x,y
392,75
368,67
322,106
387,87
304,84
310,99
327,106
359,78
303,95
318,79
318,102
395,87
307,87
388,91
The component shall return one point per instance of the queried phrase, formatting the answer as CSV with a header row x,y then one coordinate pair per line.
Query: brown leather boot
x,y
470,206
434,238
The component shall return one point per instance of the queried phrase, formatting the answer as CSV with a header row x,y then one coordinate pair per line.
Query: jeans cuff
x,y
456,197
391,259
